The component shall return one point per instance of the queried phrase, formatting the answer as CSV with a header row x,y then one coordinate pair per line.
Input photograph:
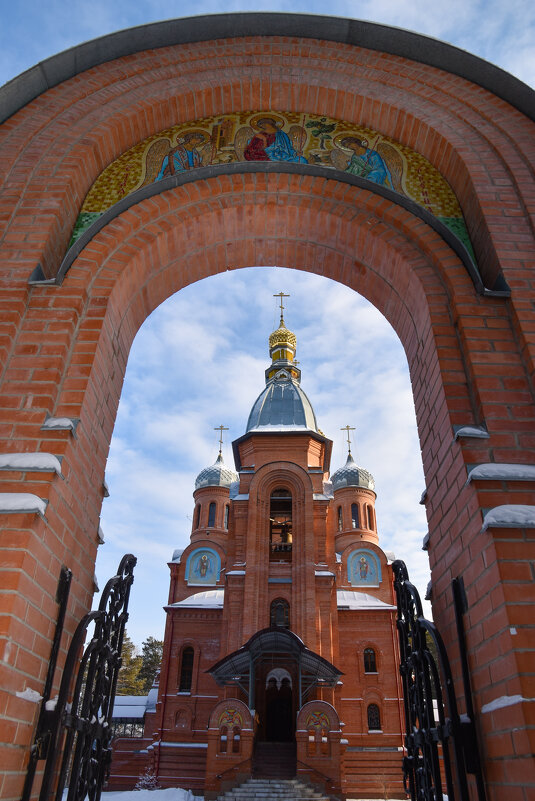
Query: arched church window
x,y
279,613
236,740
370,517
197,516
370,662
374,717
340,521
223,737
355,515
280,525
227,510
186,670
211,514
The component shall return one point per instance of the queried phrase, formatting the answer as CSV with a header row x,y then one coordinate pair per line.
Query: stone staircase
x,y
274,761
272,790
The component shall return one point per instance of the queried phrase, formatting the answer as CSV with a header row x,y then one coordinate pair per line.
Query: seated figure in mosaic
x,y
184,156
383,164
270,142
193,149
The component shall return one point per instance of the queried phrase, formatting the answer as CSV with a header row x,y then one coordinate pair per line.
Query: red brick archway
x,y
64,348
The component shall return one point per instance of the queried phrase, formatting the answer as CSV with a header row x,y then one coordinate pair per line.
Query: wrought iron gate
x,y
73,731
431,715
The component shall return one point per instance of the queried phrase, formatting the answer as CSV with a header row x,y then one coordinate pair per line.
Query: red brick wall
x,y
63,350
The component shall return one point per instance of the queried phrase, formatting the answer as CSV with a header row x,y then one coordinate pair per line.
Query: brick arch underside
x,y
72,132
230,222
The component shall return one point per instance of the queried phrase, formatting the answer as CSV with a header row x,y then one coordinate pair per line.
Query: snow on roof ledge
x,y
494,471
17,502
350,599
132,707
504,701
46,462
509,516
209,599
61,424
480,432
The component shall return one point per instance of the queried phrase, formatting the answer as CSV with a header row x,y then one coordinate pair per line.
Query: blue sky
x,y
199,360
503,33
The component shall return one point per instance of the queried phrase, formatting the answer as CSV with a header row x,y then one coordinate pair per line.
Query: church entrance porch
x,y
276,675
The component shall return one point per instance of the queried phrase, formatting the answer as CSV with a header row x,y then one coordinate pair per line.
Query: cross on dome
x,y
348,428
220,428
281,295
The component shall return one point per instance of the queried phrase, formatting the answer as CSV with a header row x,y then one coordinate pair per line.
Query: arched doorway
x,y
279,707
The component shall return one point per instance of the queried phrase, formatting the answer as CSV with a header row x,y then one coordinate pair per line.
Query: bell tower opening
x,y
280,526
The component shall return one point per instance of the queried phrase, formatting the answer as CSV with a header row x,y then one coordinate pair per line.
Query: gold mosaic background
x,y
275,136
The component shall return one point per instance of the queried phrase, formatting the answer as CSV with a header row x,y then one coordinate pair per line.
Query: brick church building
x,y
281,652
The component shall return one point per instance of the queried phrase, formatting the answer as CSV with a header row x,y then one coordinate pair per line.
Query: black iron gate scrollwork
x,y
73,732
434,728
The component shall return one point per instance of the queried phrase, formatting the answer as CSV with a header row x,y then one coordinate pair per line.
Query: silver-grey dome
x,y
350,475
282,406
217,475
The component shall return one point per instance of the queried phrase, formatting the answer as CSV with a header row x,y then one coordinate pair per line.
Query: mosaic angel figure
x,y
264,140
203,566
382,164
193,149
363,567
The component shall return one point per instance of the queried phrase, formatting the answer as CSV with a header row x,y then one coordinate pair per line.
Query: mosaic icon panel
x,y
277,137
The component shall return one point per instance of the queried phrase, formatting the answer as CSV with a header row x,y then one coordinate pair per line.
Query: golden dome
x,y
282,336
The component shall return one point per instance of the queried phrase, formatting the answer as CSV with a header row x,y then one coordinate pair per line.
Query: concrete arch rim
x,y
60,67
330,192
105,263
202,173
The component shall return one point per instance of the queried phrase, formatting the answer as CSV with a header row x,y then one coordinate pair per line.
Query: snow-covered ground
x,y
170,794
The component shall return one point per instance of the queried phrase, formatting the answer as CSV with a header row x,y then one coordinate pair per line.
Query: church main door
x,y
279,714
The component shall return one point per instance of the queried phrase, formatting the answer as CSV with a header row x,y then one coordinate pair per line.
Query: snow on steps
x,y
272,789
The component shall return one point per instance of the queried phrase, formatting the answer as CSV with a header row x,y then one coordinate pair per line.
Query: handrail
x,y
314,770
233,767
